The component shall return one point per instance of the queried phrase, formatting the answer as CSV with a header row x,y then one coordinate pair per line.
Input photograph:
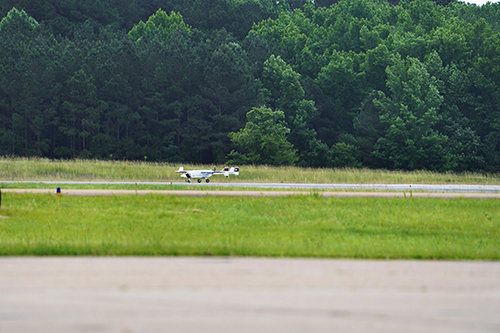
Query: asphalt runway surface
x,y
371,187
130,294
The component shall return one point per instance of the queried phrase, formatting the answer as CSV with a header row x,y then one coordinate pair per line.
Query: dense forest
x,y
358,83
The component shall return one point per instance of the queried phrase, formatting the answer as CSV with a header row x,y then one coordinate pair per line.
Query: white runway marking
x,y
375,187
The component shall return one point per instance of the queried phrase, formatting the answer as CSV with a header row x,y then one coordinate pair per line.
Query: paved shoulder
x,y
247,295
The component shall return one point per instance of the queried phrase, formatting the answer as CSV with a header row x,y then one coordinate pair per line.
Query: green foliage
x,y
283,91
263,140
399,84
82,112
16,21
411,142
341,81
282,85
160,24
344,155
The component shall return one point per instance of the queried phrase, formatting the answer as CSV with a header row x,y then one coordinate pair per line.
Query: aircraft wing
x,y
181,170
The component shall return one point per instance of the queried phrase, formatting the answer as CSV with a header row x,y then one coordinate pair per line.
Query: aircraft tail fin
x,y
232,171
181,170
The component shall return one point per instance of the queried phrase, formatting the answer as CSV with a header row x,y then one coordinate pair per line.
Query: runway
x,y
131,294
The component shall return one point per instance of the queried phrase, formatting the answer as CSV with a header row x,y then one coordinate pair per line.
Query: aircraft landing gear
x,y
207,180
199,180
189,180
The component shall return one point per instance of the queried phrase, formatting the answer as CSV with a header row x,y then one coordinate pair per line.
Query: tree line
x,y
358,83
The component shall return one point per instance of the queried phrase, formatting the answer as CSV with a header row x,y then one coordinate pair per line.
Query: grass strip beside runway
x,y
293,226
21,169
252,192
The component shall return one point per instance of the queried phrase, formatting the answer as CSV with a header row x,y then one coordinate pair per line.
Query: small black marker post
x,y
58,191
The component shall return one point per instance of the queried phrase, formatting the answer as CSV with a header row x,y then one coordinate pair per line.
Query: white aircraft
x,y
200,174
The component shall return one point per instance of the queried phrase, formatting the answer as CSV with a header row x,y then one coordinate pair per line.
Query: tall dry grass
x,y
97,170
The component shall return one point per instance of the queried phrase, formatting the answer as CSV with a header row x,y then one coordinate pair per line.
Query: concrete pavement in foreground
x,y
176,294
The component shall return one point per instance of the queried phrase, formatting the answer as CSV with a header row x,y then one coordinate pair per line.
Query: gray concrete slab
x,y
165,294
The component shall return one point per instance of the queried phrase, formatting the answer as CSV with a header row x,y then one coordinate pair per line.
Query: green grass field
x,y
296,226
21,169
